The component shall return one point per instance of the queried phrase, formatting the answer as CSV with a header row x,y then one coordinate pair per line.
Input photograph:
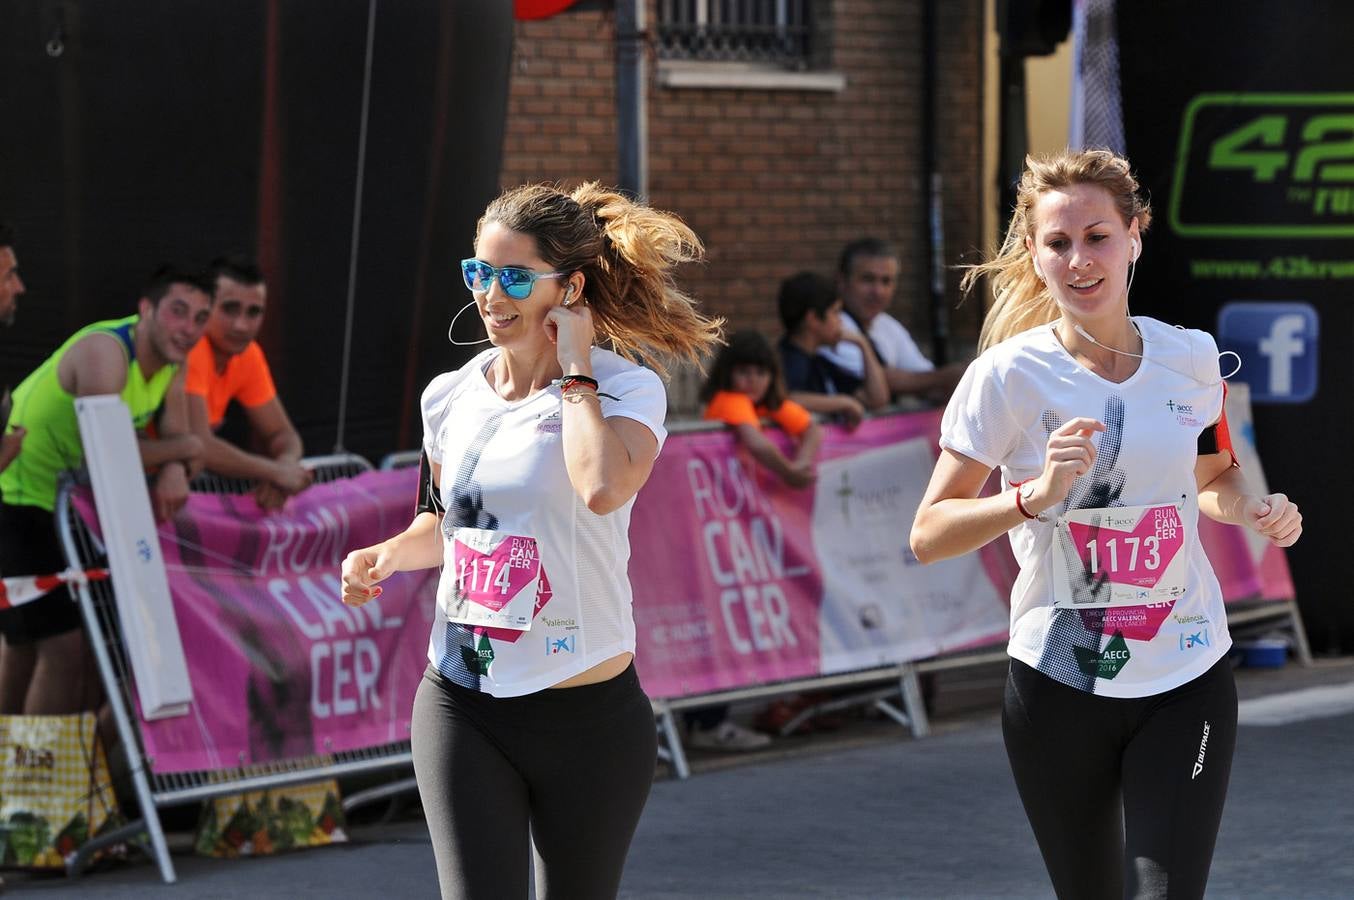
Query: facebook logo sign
x,y
1277,345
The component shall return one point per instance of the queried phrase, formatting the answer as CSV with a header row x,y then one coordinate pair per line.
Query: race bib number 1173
x,y
1120,556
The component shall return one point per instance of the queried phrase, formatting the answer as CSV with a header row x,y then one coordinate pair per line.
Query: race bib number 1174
x,y
491,579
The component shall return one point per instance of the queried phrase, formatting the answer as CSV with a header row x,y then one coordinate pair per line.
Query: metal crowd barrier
x,y
401,459
892,685
896,692
155,791
893,690
325,468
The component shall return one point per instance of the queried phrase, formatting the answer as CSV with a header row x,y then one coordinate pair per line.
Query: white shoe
x,y
728,735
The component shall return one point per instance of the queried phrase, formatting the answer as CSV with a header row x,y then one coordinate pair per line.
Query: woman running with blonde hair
x,y
1120,709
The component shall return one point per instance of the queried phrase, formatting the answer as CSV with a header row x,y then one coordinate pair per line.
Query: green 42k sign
x,y
1265,165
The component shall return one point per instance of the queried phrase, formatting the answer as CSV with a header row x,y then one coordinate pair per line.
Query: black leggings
x,y
1125,796
573,765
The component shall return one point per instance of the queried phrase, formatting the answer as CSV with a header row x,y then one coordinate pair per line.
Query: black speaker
x,y
1033,27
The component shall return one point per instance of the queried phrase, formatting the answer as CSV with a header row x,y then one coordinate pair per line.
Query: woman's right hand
x,y
364,569
1069,455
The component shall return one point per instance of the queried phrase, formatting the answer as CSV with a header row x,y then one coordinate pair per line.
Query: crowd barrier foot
x,y
670,748
1300,645
900,700
134,832
911,716
1289,618
391,791
876,698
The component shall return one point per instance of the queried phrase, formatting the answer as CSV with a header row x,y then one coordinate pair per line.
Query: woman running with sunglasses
x,y
1120,710
530,723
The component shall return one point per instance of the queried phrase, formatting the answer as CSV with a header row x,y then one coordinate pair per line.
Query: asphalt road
x,y
869,813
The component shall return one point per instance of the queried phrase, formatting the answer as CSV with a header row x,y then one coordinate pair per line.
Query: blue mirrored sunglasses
x,y
515,281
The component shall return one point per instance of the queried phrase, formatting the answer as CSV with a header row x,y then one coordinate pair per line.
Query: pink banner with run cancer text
x,y
280,667
737,581
740,580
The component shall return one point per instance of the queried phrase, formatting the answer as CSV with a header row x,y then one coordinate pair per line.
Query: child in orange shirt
x,y
745,386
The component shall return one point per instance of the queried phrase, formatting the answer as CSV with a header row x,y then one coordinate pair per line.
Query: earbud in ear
x,y
1133,248
568,292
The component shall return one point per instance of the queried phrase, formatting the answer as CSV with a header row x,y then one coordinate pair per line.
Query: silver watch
x,y
1025,500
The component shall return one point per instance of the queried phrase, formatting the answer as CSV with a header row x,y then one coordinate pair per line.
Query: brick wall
x,y
776,181
562,105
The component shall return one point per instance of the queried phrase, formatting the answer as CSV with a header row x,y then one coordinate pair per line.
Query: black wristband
x,y
569,381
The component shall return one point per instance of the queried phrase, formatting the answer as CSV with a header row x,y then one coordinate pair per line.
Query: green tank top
x,y
52,444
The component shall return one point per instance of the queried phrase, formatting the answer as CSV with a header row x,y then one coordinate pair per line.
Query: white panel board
x,y
140,585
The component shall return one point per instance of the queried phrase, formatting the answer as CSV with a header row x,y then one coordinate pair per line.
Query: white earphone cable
x,y
453,340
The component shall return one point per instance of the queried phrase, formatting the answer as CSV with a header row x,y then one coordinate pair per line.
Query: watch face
x,y
1026,493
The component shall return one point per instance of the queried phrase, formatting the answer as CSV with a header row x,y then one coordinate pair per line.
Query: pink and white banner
x,y
279,666
737,580
740,580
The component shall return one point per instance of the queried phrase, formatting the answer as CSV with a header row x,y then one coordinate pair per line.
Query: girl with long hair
x,y
1120,710
530,723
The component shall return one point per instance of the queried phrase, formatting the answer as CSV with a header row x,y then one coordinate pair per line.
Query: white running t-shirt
x,y
503,474
1009,401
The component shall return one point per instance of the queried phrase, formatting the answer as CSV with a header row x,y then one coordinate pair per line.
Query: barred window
x,y
778,32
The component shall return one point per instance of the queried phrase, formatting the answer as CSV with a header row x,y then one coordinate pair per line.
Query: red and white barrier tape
x,y
23,589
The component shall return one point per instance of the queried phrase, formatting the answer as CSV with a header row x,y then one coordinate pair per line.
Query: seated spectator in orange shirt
x,y
744,387
228,364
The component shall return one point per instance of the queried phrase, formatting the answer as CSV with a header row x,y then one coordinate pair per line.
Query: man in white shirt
x,y
867,277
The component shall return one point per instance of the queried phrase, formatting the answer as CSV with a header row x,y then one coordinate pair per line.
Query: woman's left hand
x,y
570,330
1275,517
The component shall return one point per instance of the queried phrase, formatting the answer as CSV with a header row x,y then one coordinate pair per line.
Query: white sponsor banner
x,y
880,605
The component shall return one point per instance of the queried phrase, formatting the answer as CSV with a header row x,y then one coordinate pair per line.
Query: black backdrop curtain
x,y
1234,211
137,132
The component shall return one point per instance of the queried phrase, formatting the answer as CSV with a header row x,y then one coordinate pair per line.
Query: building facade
x,y
777,140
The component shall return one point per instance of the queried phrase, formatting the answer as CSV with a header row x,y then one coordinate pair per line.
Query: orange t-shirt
x,y
246,379
733,408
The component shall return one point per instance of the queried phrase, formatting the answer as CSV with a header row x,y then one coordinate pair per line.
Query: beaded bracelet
x,y
569,382
584,382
